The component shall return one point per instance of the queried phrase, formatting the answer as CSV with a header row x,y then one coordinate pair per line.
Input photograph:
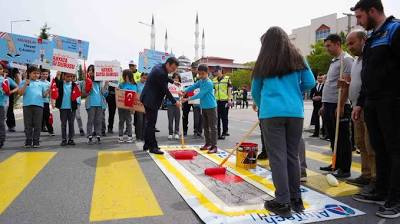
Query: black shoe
x,y
1,144
156,130
11,129
36,145
226,134
370,198
52,133
184,133
156,151
103,133
327,168
213,149
90,140
390,210
297,205
64,142
71,142
359,181
81,132
278,208
221,137
98,140
341,174
28,144
263,155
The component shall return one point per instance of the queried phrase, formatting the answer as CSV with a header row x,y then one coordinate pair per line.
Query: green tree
x,y
44,32
240,78
319,59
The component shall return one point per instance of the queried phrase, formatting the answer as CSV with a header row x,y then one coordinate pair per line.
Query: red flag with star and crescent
x,y
76,92
53,90
129,98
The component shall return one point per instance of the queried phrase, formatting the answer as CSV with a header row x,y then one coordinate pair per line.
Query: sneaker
x,y
28,144
297,205
90,140
98,140
278,208
341,174
11,129
263,155
64,142
226,134
120,139
176,137
212,149
36,145
221,137
205,147
71,142
82,133
130,140
389,210
52,133
170,137
359,181
370,198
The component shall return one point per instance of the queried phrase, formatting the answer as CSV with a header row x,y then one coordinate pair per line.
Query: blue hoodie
x,y
282,96
206,94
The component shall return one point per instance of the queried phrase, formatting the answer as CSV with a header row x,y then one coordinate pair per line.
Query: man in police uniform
x,y
223,95
136,73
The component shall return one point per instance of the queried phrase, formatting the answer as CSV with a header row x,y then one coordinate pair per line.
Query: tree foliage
x,y
44,32
240,78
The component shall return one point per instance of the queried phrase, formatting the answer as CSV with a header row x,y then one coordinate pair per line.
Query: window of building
x,y
322,32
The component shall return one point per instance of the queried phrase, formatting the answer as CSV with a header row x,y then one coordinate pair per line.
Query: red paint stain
x,y
227,178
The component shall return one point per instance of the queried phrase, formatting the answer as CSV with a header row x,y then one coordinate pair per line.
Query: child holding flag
x,y
68,93
44,76
125,114
174,113
33,92
208,106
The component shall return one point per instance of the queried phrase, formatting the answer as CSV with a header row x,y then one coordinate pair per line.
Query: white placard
x,y
196,101
174,89
65,61
18,66
186,79
107,70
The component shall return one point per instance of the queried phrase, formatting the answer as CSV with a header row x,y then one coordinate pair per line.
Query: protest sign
x,y
149,58
25,50
65,61
19,66
72,45
128,100
186,79
107,70
174,90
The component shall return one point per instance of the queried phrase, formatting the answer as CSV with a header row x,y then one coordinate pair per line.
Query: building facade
x,y
319,29
226,64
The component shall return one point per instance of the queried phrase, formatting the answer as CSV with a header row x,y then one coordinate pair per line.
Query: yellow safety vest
x,y
221,88
136,76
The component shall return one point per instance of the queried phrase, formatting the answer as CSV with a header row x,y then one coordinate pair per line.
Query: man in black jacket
x,y
380,99
154,91
316,96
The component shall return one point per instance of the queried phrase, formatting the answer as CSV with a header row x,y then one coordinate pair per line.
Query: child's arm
x,y
256,87
192,87
21,91
207,88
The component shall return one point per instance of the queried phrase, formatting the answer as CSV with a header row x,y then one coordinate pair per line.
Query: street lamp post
x,y
349,15
17,21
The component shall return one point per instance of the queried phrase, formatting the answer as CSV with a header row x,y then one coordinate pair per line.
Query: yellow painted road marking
x,y
17,172
121,189
318,182
327,159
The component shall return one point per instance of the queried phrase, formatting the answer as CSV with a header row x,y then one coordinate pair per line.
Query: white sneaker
x,y
129,140
176,137
169,137
121,139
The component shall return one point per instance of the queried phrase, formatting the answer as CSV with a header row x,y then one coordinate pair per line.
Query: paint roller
x,y
222,170
330,178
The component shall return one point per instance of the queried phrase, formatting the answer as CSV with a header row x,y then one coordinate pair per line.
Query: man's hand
x,y
254,106
355,114
321,111
178,104
342,83
317,98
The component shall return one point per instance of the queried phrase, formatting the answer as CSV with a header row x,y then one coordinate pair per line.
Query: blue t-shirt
x,y
66,101
47,84
140,87
34,93
206,94
128,86
95,95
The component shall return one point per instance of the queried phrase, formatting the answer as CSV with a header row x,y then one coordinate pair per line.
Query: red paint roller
x,y
183,154
222,170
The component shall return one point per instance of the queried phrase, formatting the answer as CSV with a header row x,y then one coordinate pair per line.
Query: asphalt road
x,y
62,191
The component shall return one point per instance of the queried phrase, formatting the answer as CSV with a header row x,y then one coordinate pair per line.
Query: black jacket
x,y
314,92
60,86
156,88
380,72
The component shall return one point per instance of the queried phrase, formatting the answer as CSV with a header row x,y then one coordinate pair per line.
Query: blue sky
x,y
112,27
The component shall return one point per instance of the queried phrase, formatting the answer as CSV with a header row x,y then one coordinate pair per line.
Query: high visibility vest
x,y
136,76
221,88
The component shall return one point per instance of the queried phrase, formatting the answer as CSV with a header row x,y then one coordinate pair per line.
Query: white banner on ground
x,y
107,70
65,61
211,209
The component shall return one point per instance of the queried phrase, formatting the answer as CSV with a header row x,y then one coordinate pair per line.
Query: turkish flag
x,y
76,92
40,40
129,98
6,87
53,90
191,93
88,85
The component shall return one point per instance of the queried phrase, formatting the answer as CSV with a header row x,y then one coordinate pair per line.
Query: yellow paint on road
x,y
17,172
121,190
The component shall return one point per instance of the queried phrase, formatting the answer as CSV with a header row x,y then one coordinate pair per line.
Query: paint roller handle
x,y
241,141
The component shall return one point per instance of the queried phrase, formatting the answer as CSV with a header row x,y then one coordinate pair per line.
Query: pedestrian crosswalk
x,y
120,187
